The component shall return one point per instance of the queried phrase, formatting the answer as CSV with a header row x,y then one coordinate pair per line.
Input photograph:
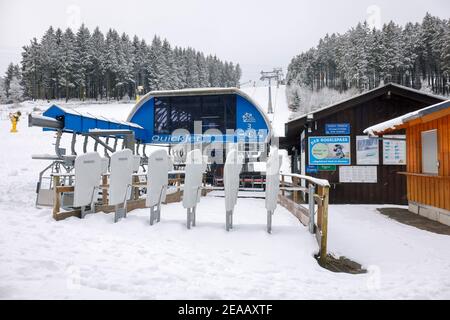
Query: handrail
x,y
320,182
318,195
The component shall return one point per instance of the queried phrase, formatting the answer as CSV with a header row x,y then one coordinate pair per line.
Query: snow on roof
x,y
89,115
362,94
396,122
281,111
192,91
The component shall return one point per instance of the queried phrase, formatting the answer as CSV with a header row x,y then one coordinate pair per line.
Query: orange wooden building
x,y
428,158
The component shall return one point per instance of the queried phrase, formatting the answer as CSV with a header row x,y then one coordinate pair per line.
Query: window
x,y
230,111
184,111
212,116
215,112
430,152
162,121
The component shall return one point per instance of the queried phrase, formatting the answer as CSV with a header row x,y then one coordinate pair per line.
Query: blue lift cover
x,y
82,122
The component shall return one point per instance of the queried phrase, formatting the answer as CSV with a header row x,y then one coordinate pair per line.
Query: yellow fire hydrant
x,y
14,117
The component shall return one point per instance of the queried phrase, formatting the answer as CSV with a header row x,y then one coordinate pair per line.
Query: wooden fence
x,y
307,198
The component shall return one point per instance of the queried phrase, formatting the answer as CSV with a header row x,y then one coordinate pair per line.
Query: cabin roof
x,y
391,88
400,122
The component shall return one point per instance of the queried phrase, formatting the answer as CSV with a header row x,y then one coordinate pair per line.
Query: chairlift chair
x,y
157,181
120,182
88,170
232,169
192,184
272,184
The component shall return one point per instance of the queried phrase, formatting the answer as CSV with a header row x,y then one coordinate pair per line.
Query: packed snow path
x,y
95,258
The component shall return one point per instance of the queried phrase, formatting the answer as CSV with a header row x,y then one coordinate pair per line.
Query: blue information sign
x,y
337,128
312,169
329,150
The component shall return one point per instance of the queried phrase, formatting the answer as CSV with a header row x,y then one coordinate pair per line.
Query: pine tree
x,y
168,77
213,71
411,52
111,62
15,90
58,63
156,67
140,50
69,66
83,61
30,66
126,84
10,72
413,55
296,101
97,56
48,63
2,91
180,68
83,66
202,70
237,75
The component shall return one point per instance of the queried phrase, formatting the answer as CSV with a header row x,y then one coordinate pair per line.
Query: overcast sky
x,y
259,34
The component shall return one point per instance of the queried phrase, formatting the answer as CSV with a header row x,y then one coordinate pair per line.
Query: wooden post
x,y
104,190
295,183
56,198
178,184
203,192
324,227
320,192
135,189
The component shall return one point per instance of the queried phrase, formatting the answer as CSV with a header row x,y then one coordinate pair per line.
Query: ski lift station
x,y
220,110
168,117
178,117
213,139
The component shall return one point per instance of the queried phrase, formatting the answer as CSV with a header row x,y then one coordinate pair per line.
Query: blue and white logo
x,y
248,118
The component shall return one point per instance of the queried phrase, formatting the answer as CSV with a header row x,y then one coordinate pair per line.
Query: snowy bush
x,y
309,100
15,90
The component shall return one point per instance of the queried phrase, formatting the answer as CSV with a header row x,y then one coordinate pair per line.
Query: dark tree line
x,y
416,55
83,65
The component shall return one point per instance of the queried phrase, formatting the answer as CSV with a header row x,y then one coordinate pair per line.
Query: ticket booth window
x,y
430,152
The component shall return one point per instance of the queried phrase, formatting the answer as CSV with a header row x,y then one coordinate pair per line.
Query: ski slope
x,y
280,108
97,259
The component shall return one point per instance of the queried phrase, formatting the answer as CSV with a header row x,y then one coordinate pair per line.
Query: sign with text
x,y
358,174
394,150
312,169
337,128
327,168
329,150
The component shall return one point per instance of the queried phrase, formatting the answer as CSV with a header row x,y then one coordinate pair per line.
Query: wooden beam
x,y
61,189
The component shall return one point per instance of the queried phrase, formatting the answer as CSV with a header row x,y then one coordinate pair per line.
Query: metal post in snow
x,y
269,109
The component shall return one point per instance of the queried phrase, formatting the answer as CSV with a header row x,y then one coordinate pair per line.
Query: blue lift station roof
x,y
82,122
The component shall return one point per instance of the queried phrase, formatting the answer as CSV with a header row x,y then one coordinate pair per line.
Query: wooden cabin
x,y
428,159
330,143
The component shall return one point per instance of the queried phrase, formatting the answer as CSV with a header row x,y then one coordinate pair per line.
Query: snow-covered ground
x,y
95,258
